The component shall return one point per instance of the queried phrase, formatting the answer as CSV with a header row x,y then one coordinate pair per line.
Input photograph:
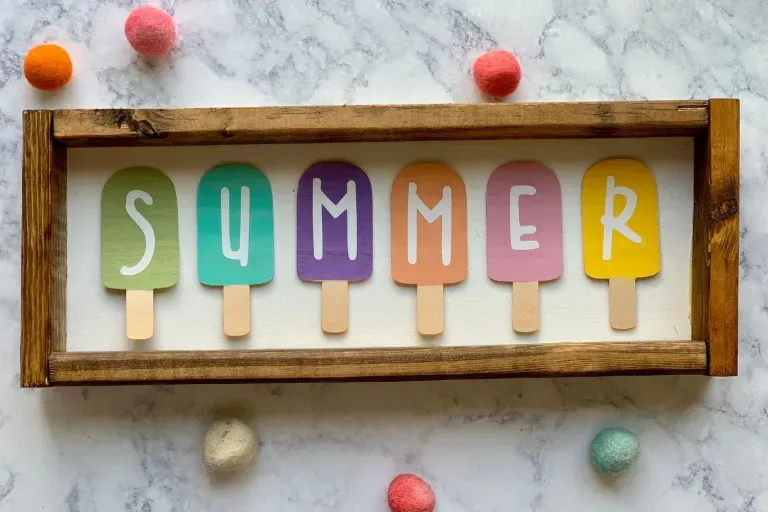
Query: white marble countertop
x,y
486,446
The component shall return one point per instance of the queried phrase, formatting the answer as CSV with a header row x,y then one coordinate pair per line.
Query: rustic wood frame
x,y
713,350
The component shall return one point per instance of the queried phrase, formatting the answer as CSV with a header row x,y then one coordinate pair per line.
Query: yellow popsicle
x,y
620,225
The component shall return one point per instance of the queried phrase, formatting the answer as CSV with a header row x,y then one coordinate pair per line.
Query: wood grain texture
x,y
430,309
723,237
525,306
622,303
364,123
139,314
700,240
517,360
43,248
334,306
236,309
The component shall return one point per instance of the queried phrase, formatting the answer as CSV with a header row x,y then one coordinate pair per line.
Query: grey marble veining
x,y
487,446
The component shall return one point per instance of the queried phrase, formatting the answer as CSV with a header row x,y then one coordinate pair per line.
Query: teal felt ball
x,y
614,450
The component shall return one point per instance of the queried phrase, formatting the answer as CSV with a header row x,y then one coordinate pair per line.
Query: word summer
x,y
334,236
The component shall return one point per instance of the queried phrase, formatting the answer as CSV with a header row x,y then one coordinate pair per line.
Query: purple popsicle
x,y
334,234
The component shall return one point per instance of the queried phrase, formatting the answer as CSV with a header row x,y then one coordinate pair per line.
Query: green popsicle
x,y
139,242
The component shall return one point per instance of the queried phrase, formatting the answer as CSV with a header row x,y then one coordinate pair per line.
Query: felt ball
x,y
150,31
229,445
497,73
409,493
47,67
614,450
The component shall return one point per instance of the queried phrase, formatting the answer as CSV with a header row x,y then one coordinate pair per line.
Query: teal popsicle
x,y
235,238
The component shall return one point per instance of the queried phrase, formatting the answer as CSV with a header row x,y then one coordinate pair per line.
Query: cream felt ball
x,y
497,73
409,493
150,31
229,445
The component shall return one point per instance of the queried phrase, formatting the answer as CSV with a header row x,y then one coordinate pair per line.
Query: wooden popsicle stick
x,y
429,309
237,309
525,306
334,306
139,314
622,303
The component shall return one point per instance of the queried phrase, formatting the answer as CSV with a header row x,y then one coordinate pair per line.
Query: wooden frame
x,y
713,124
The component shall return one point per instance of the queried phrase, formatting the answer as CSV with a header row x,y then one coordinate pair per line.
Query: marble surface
x,y
485,445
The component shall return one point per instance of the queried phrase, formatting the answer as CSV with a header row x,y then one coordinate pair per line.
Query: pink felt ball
x,y
150,31
409,493
497,73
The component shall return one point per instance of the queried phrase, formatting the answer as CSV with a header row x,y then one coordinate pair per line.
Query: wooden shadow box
x,y
712,349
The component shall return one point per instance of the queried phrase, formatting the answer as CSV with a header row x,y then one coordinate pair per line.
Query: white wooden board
x,y
286,311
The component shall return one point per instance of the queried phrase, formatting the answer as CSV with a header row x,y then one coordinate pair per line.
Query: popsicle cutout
x,y
334,235
139,242
429,237
235,238
620,224
524,224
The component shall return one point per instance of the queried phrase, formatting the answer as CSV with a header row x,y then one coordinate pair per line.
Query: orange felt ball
x,y
47,67
497,73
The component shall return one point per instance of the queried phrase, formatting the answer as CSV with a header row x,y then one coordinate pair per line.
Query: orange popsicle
x,y
429,237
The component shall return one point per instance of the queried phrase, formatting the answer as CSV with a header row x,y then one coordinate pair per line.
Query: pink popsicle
x,y
524,224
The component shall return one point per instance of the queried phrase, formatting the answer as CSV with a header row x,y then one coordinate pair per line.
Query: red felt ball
x,y
150,31
497,73
409,493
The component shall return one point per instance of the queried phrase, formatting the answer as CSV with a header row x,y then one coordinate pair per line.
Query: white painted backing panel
x,y
286,311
